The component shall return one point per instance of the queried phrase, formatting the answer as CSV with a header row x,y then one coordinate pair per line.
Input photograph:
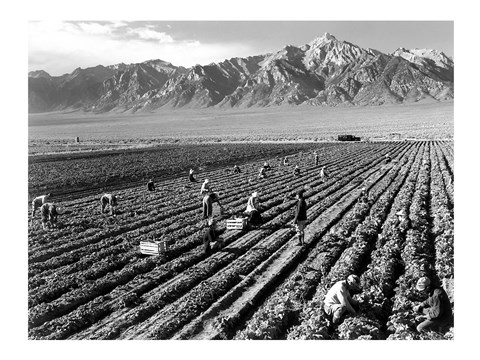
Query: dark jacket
x,y
151,186
437,306
301,211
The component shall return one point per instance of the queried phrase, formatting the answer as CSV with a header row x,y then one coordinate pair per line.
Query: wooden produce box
x,y
154,247
236,224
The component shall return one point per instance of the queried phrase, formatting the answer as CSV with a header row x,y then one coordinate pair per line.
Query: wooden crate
x,y
236,224
154,247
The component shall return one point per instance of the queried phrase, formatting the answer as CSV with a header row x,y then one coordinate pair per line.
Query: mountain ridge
x,y
323,72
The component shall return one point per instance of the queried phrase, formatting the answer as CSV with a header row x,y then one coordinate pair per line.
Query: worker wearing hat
x,y
208,201
436,308
49,212
339,299
300,219
253,209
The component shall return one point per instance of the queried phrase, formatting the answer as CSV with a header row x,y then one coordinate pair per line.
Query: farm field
x,y
88,280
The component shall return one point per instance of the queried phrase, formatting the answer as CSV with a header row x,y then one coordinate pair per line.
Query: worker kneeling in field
x,y
339,298
38,202
437,308
253,210
208,201
110,200
49,214
210,236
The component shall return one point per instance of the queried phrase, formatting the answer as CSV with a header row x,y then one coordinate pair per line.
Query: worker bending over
x,y
339,298
110,200
49,213
296,171
236,169
38,202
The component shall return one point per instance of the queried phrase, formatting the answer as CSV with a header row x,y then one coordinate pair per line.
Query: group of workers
x,y
436,310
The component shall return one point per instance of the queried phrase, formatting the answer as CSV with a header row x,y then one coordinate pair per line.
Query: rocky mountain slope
x,y
326,71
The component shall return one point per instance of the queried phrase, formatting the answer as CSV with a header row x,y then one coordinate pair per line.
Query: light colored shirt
x,y
338,294
252,204
205,188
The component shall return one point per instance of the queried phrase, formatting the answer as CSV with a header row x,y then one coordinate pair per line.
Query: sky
x,y
59,47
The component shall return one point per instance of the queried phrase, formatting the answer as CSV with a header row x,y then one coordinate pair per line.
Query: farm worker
x,y
49,214
398,227
296,171
191,177
285,161
39,201
209,236
387,158
236,169
151,185
339,298
316,158
300,216
437,308
266,166
323,174
363,195
208,201
205,189
261,174
110,200
253,210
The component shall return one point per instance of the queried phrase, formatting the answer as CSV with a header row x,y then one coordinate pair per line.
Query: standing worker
x,y
191,178
437,308
285,161
323,174
205,189
253,210
339,298
110,200
151,185
208,201
38,202
316,157
49,214
300,216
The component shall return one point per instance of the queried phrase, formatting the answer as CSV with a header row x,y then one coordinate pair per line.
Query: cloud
x,y
60,47
146,33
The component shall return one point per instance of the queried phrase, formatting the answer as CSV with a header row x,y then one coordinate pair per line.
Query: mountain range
x,y
324,72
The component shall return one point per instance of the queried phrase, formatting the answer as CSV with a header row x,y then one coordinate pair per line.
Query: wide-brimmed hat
x,y
300,192
422,283
206,181
60,210
255,194
191,171
354,281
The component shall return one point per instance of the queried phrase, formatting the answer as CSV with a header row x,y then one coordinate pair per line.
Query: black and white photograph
x,y
203,177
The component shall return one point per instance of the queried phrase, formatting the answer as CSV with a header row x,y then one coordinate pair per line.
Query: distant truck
x,y
348,138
